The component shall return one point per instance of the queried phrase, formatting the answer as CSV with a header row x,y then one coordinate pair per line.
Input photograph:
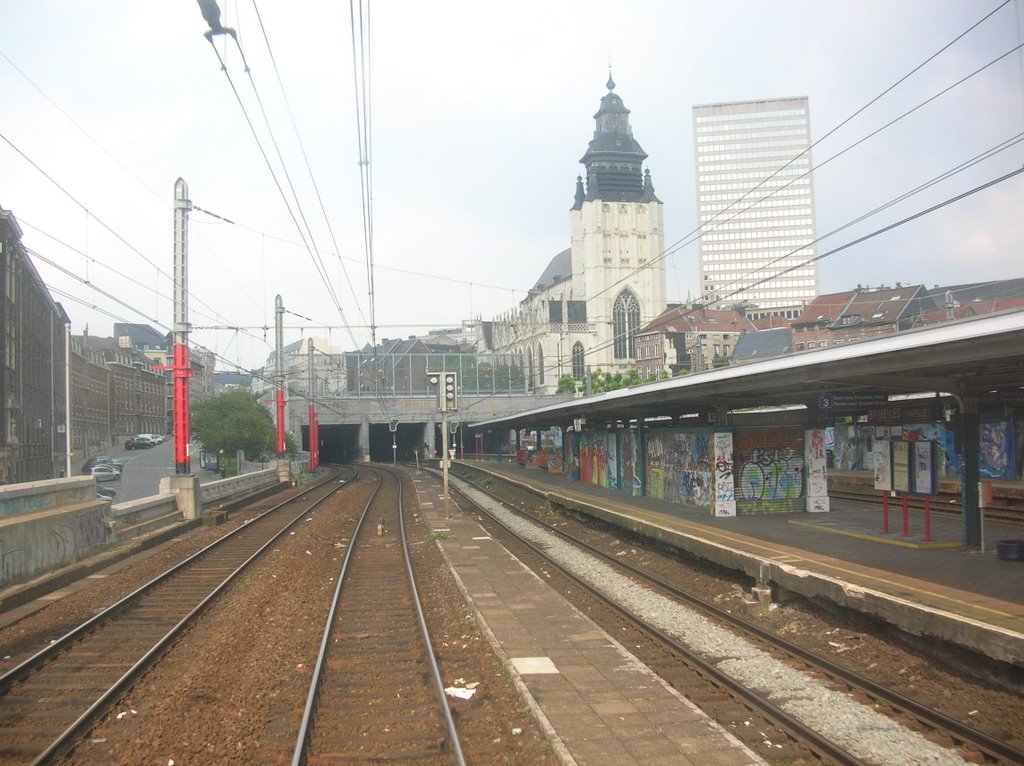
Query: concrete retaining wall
x,y
45,525
244,483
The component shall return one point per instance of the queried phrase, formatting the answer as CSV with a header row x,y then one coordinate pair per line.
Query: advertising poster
x,y
883,466
901,466
817,477
924,468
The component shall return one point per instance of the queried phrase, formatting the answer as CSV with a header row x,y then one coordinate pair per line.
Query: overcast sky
x,y
479,113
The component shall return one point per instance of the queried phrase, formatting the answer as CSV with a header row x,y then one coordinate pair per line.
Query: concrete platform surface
x,y
599,703
929,587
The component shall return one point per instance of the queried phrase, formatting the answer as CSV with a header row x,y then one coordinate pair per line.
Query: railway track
x,y
376,693
49,701
956,734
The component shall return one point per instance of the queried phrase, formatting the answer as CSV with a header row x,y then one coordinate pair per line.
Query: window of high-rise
x,y
755,205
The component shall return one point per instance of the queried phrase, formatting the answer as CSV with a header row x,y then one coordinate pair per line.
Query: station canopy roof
x,y
978,359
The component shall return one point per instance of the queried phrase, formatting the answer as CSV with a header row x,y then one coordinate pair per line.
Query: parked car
x,y
105,472
139,441
101,460
105,493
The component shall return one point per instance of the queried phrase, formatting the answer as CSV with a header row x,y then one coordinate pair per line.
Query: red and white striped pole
x,y
181,370
279,374
313,431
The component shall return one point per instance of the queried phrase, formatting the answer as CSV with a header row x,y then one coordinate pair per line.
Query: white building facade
x,y
755,205
585,308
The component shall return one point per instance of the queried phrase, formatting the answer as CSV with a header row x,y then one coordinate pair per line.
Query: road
x,y
144,468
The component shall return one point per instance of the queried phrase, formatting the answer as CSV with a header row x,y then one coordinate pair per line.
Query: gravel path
x,y
860,730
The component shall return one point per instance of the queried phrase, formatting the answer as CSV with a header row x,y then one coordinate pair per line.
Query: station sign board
x,y
851,401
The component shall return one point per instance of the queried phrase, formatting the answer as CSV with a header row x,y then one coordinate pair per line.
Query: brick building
x,y
32,330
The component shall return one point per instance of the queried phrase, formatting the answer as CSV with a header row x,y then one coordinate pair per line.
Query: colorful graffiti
x,y
996,445
629,444
770,469
598,459
772,474
679,466
999,456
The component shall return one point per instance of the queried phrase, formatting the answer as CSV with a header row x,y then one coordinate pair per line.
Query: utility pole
x,y
67,398
279,372
181,370
314,436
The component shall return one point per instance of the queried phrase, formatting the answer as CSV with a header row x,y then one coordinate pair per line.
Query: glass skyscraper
x,y
755,205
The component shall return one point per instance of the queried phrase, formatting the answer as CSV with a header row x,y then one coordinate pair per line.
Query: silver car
x,y
104,472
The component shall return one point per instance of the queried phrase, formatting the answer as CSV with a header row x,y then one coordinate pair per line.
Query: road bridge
x,y
356,427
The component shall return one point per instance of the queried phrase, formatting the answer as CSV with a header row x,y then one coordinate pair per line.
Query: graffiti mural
x,y
996,446
679,466
572,458
629,444
769,469
599,459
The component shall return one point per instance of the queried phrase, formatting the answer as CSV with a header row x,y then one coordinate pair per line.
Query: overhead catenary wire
x,y
859,240
309,168
362,89
216,316
317,262
706,227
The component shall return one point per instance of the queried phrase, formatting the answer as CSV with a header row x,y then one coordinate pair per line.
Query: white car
x,y
104,472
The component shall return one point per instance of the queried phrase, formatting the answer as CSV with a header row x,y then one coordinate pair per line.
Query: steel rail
x,y
817,742
299,755
939,721
69,737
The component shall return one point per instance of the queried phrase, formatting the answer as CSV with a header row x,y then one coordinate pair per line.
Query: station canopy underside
x,y
980,361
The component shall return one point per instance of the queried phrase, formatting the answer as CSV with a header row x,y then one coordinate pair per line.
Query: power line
x,y
317,262
309,168
847,245
707,227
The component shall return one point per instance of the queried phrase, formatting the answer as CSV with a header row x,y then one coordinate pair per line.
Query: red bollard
x,y
927,518
885,511
906,518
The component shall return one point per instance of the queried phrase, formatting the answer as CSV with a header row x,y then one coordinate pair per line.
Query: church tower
x,y
583,311
617,238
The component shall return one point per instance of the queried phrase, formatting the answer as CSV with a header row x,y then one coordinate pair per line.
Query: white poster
x,y
883,467
816,466
724,487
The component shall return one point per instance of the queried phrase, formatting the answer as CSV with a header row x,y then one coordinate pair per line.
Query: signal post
x,y
446,385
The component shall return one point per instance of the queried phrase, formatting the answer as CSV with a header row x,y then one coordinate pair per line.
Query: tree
x,y
234,420
567,384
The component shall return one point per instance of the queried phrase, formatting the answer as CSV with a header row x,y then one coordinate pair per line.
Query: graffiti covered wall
x,y
1000,446
769,466
597,459
679,466
631,463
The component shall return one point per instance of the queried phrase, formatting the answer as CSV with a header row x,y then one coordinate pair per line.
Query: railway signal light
x,y
445,384
449,393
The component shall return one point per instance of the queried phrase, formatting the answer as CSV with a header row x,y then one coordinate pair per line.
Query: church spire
x,y
614,159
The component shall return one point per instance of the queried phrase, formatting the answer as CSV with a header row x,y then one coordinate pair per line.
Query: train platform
x,y
596,701
927,587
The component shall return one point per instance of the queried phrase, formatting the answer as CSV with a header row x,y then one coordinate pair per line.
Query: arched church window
x,y
529,369
577,361
540,365
625,323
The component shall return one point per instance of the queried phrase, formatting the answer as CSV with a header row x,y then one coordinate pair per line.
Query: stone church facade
x,y
584,310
